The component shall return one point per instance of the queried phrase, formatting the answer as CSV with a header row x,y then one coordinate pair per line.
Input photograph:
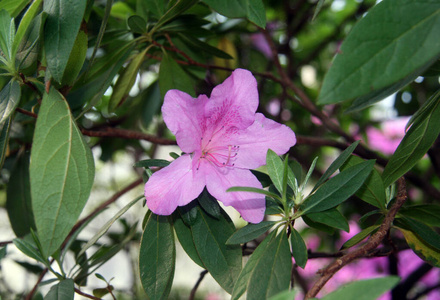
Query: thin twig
x,y
4,243
127,134
26,112
194,289
34,289
78,291
374,241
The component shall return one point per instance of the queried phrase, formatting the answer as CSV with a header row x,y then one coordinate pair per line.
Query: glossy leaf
x,y
61,172
245,275
379,51
7,34
151,163
336,164
416,142
271,274
253,10
359,237
369,289
4,139
286,295
137,24
64,18
426,213
126,80
421,248
318,226
172,76
222,261
253,190
157,257
299,248
64,290
373,189
249,232
186,240
337,189
29,249
9,99
178,7
18,198
209,204
425,232
275,169
331,217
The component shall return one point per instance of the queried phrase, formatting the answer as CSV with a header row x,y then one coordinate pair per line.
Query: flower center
x,y
219,156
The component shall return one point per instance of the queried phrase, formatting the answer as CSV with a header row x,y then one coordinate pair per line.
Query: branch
x,y
78,291
374,241
5,243
194,289
127,134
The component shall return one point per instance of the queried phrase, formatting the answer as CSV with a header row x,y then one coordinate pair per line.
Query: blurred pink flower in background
x,y
366,268
388,137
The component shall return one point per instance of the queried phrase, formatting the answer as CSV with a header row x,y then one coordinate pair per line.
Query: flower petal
x,y
251,206
185,118
172,186
262,135
234,102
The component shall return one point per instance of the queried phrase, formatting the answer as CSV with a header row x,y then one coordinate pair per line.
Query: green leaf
x,y
175,10
24,25
61,172
13,7
336,164
202,46
369,289
243,279
271,274
18,198
137,24
425,232
331,217
185,237
253,10
253,190
64,18
107,225
157,257
421,248
155,7
318,226
147,163
373,189
172,76
338,189
2,252
209,204
359,237
29,249
426,213
64,290
380,51
222,261
249,232
286,295
299,248
416,142
275,169
7,34
4,139
9,99
126,80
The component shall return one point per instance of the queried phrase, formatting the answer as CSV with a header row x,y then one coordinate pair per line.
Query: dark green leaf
x,y
222,261
137,24
249,232
373,189
318,226
189,213
271,274
31,268
61,172
359,237
18,198
426,213
385,37
4,139
7,34
263,178
155,7
209,204
369,289
9,99
178,8
253,10
29,249
421,248
425,232
331,217
185,237
336,164
157,257
172,76
64,290
338,189
286,295
125,81
147,163
245,275
202,46
2,252
64,18
299,248
253,190
414,144
275,169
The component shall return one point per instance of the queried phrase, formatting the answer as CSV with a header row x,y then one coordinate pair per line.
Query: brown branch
x,y
26,112
374,241
194,289
5,243
78,291
127,134
34,289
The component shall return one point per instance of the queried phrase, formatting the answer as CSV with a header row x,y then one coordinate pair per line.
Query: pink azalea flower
x,y
222,138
